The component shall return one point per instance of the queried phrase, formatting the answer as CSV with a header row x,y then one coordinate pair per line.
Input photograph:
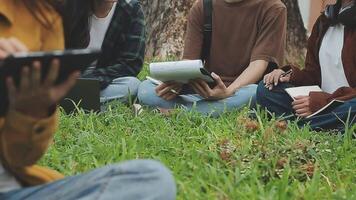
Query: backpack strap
x,y
208,29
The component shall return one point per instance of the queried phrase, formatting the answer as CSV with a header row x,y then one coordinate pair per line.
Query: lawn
x,y
230,157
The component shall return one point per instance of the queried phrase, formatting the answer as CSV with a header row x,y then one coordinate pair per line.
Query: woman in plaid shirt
x,y
118,29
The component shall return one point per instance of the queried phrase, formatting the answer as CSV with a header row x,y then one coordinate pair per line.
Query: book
x,y
328,108
302,91
305,91
180,71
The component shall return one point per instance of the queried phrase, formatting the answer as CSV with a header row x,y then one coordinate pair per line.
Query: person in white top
x,y
330,64
118,29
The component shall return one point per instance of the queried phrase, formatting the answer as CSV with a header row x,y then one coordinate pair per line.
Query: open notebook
x,y
305,91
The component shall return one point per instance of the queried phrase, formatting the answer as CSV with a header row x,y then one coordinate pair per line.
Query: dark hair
x,y
37,9
76,23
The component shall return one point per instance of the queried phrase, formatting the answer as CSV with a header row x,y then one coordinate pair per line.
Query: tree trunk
x,y
166,24
296,33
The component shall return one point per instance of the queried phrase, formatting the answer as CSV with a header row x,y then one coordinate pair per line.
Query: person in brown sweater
x,y
248,37
330,64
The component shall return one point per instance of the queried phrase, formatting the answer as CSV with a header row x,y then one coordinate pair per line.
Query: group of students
x,y
247,46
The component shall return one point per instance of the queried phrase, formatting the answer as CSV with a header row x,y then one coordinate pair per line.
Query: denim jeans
x,y
147,96
139,179
279,102
121,89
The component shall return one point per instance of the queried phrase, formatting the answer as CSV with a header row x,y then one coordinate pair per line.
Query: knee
x,y
250,93
146,91
133,84
262,93
155,176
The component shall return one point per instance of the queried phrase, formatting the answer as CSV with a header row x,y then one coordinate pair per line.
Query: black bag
x,y
208,30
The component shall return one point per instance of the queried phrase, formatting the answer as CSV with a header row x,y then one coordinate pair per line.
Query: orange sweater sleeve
x,y
24,140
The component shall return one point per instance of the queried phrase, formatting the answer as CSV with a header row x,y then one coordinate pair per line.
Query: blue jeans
x,y
121,89
279,102
147,96
139,179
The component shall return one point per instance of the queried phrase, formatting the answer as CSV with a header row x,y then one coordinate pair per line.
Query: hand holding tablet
x,y
33,97
31,82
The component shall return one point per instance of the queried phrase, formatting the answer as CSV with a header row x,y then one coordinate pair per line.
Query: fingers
x,y
306,114
7,46
217,79
300,100
17,45
161,87
276,79
167,84
169,96
266,81
272,79
36,75
25,79
58,92
166,88
10,46
301,106
52,74
11,88
204,85
285,79
199,89
302,111
3,54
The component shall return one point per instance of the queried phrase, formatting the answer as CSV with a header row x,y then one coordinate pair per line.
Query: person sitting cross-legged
x,y
330,63
248,37
118,29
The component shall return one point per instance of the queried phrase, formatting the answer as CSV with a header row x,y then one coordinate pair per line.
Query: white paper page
x,y
302,91
180,71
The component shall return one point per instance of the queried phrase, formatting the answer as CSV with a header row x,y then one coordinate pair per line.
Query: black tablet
x,y
70,61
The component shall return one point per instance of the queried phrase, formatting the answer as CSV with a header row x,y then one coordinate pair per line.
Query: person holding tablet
x,y
116,27
240,53
330,64
28,126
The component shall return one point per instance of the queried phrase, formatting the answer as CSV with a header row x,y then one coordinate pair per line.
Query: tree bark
x,y
166,22
166,25
296,33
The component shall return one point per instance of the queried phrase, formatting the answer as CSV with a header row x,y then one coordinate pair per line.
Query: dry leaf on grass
x,y
252,126
281,125
308,168
226,148
281,163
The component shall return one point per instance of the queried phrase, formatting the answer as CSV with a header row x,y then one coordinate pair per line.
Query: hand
x,y
301,105
272,79
34,97
220,91
165,90
10,46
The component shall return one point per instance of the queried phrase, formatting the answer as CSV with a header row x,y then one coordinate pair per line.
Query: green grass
x,y
212,158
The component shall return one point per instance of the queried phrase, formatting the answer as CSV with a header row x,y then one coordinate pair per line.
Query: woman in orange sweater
x,y
28,125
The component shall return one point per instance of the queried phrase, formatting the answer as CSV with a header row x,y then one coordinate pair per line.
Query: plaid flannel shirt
x,y
124,44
